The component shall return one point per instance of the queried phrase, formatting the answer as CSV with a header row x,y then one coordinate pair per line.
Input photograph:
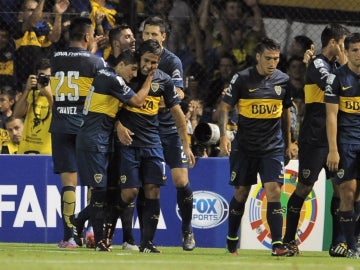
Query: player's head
x,y
154,28
127,65
333,33
15,128
352,49
300,44
149,52
267,56
122,37
81,31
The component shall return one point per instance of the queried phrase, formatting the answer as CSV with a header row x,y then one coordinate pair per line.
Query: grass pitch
x,y
48,256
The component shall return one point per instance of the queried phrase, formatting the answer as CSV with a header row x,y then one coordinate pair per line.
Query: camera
x,y
43,79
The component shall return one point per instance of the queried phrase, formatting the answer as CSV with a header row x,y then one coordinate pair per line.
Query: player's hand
x,y
309,54
332,161
190,156
124,135
341,57
225,145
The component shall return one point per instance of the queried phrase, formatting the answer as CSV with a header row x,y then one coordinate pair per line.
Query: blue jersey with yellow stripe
x,y
144,121
171,65
72,72
260,102
344,90
313,129
107,93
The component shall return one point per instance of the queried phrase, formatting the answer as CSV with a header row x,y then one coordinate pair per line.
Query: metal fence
x,y
202,30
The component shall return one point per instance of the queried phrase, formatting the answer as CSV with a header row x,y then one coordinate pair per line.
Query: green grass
x,y
48,256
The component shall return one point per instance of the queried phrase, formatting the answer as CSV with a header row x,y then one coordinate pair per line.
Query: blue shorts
x,y
312,160
141,165
63,152
244,169
349,168
173,151
93,167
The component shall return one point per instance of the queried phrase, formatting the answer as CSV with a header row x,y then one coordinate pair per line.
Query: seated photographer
x,y
35,106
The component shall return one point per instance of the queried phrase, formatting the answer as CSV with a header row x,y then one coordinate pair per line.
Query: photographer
x,y
35,106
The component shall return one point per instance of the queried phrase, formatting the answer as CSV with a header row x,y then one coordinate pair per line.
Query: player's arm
x,y
223,118
287,129
333,157
139,98
180,123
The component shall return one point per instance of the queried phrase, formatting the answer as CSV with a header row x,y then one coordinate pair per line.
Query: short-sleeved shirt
x,y
144,121
107,93
313,128
344,89
171,65
72,72
260,102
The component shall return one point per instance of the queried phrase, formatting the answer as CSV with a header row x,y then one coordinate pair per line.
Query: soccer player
x,y
260,94
343,133
313,145
142,160
121,38
72,72
94,141
155,28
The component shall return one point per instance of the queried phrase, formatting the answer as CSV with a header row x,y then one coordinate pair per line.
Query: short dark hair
x,y
115,32
128,57
43,63
304,41
79,26
150,46
351,39
157,21
333,31
267,43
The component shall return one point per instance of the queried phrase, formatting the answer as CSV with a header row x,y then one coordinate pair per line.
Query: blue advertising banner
x,y
30,203
30,208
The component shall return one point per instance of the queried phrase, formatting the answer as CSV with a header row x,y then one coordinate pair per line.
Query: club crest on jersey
x,y
305,173
340,173
123,179
155,86
277,89
233,175
98,177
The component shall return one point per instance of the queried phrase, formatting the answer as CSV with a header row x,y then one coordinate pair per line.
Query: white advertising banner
x,y
255,233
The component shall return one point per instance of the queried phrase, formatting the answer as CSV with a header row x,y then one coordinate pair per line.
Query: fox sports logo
x,y
209,209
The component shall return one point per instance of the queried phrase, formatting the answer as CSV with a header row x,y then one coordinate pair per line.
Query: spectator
x,y
296,70
7,50
14,126
33,35
7,101
35,105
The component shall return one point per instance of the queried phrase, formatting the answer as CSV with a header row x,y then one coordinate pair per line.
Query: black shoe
x,y
338,250
77,230
188,241
292,246
232,245
281,250
148,248
101,246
